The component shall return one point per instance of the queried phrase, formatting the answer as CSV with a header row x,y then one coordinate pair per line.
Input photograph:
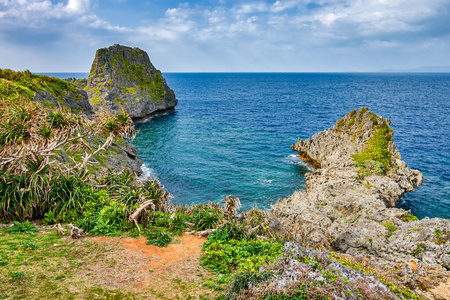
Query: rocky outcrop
x,y
349,203
77,101
123,155
124,78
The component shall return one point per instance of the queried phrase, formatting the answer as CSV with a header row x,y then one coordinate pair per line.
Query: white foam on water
x,y
148,172
295,160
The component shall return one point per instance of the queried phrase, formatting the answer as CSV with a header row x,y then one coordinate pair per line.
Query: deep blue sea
x,y
231,133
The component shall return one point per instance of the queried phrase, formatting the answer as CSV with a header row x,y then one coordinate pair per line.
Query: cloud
x,y
78,6
45,14
241,35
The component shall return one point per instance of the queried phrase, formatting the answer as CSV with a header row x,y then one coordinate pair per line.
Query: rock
x,y
124,156
124,78
77,102
75,232
352,209
308,267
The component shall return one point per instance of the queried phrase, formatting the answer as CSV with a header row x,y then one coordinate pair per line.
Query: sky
x,y
229,36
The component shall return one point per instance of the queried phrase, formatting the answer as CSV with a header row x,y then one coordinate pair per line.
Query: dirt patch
x,y
165,258
153,272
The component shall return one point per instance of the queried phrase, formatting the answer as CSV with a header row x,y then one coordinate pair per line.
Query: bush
x,y
25,227
160,239
376,157
245,255
242,280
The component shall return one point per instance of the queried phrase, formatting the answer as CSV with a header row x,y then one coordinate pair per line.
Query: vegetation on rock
x,y
14,85
124,78
376,158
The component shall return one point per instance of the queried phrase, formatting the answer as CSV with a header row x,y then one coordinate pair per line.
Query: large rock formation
x,y
350,207
124,78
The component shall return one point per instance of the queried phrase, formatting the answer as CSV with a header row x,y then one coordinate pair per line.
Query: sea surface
x,y
232,133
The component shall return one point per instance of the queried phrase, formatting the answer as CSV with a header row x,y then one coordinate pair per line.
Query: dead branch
x,y
134,216
201,234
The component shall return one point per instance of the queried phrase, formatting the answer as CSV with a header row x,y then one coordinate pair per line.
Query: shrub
x,y
242,280
376,157
25,227
244,255
160,239
409,218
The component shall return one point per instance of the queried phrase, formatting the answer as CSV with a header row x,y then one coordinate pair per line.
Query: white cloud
x,y
237,35
78,6
251,8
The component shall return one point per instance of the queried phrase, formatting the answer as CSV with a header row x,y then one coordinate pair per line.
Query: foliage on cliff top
x,y
46,156
376,158
14,85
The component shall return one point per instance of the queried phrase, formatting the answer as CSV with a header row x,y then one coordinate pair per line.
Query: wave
x,y
148,172
295,160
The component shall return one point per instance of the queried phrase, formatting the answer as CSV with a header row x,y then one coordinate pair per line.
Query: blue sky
x,y
228,36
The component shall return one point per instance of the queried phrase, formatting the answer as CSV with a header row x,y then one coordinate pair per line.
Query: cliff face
x,y
124,78
349,203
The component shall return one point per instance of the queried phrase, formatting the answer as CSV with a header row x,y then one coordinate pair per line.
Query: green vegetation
x,y
388,224
24,84
26,227
376,158
160,239
409,218
224,254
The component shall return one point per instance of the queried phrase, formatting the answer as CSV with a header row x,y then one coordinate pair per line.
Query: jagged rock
x,y
124,78
353,211
123,155
303,266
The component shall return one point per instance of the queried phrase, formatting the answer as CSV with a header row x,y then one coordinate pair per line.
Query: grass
x,y
45,265
60,268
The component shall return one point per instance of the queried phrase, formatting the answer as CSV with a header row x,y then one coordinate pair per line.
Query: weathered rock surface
x,y
124,78
123,155
354,214
77,102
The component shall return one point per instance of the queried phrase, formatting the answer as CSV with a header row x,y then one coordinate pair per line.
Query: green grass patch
x,y
375,158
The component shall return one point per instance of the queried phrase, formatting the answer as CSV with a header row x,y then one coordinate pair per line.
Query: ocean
x,y
231,132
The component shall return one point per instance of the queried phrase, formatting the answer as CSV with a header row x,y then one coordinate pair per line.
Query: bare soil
x,y
153,272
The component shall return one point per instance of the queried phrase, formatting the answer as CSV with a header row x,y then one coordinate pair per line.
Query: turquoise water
x,y
231,133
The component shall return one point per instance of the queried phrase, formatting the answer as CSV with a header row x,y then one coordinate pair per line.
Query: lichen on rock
x,y
124,78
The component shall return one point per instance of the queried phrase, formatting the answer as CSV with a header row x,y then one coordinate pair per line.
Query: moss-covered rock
x,y
124,78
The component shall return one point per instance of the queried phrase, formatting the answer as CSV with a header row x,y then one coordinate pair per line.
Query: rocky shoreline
x,y
351,209
349,204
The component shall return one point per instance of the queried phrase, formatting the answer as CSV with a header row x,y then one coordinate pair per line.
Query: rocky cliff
x,y
349,203
124,78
